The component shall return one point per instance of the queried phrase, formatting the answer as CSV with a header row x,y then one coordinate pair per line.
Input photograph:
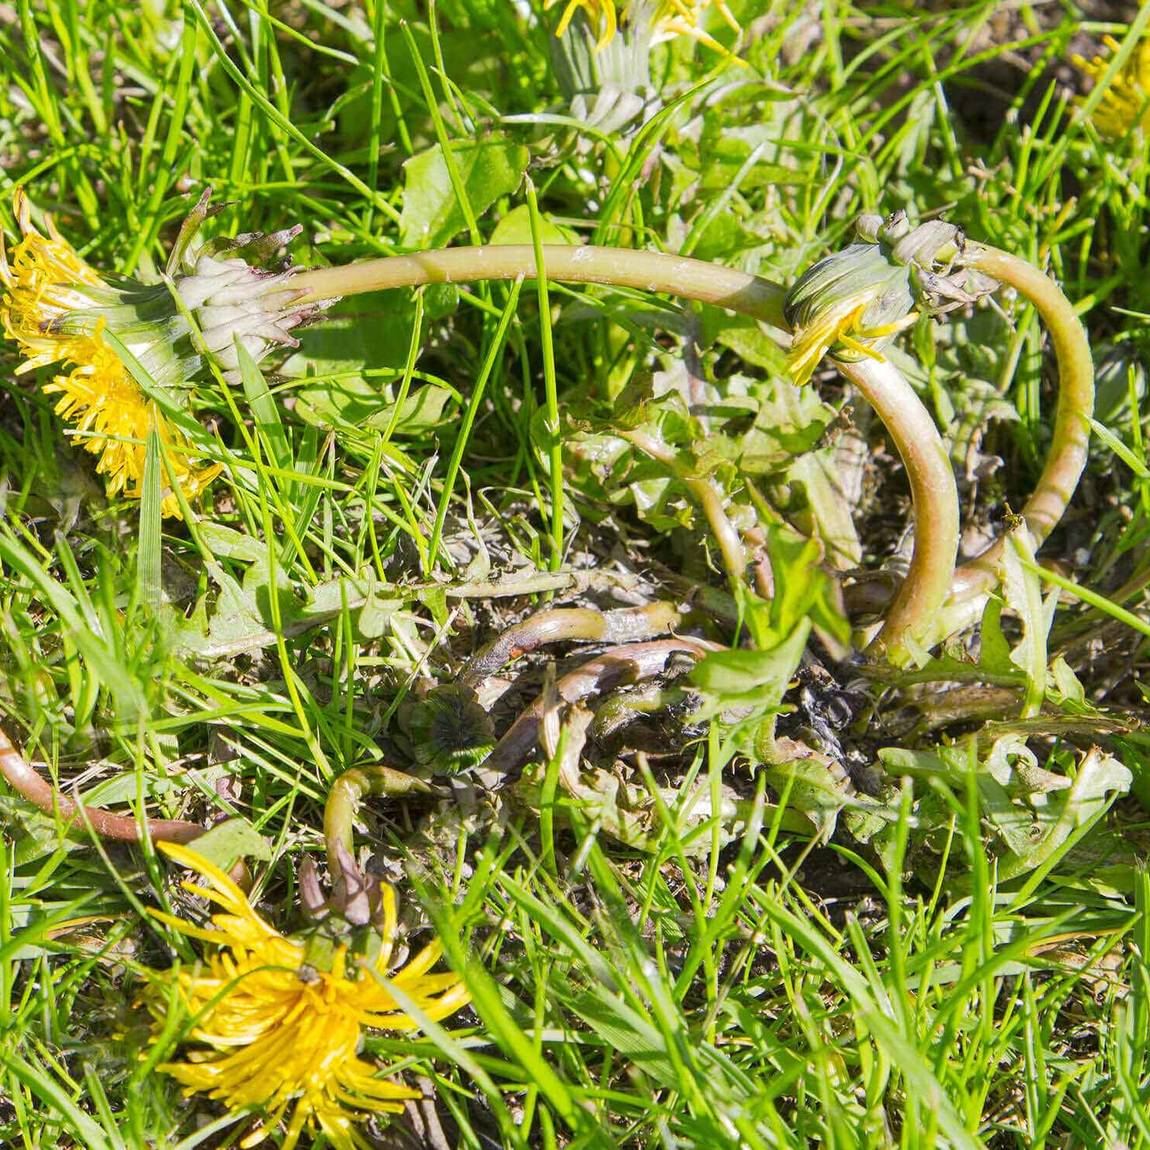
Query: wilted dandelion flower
x,y
852,303
1125,105
61,310
664,18
49,289
273,1031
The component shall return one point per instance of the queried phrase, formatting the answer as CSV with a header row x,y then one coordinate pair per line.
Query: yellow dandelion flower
x,y
50,308
274,1032
1125,105
843,328
666,19
44,285
601,15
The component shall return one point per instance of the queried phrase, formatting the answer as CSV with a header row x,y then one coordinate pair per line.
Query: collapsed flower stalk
x,y
927,270
23,779
1070,440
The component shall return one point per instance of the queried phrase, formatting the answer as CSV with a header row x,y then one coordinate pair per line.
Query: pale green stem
x,y
1070,441
550,386
343,800
709,497
934,496
646,271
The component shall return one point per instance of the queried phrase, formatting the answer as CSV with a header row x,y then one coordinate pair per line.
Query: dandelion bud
x,y
850,304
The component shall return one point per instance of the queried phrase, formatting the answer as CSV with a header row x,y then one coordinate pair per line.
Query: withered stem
x,y
27,783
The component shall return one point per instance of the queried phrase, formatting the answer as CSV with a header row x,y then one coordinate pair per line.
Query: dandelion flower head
x,y
849,304
51,308
845,329
273,1032
666,18
852,303
1125,105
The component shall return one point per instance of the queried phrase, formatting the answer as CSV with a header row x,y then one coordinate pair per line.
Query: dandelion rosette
x,y
1125,105
102,328
276,1032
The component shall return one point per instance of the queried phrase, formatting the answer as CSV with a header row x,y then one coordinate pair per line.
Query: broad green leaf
x,y
228,543
515,228
354,406
490,169
228,842
367,334
759,675
1022,591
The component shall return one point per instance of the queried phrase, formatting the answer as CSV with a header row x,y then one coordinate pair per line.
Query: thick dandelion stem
x,y
1070,442
343,801
707,494
569,625
934,496
621,267
25,781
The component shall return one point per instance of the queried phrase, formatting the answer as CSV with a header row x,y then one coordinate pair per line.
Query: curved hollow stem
x,y
342,805
709,497
1075,407
934,495
567,625
622,267
910,427
25,781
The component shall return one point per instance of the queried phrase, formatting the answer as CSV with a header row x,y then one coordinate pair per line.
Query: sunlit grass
x,y
388,489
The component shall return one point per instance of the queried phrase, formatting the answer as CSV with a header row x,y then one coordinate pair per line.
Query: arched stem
x,y
342,806
569,625
1075,407
707,494
934,496
646,271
